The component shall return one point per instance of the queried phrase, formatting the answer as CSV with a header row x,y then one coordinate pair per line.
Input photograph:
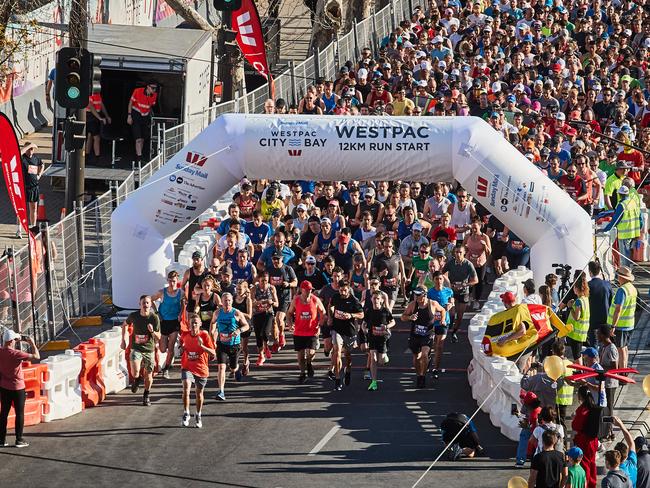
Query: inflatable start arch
x,y
425,149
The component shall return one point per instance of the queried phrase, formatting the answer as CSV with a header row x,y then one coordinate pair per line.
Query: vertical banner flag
x,y
250,38
12,169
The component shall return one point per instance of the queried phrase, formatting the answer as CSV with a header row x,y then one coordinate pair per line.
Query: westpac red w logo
x,y
481,187
196,159
295,152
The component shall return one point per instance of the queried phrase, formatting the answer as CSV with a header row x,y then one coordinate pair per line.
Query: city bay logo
x,y
481,187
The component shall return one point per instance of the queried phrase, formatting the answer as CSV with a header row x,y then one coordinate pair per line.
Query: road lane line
x,y
324,441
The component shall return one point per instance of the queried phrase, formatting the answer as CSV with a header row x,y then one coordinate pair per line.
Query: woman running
x,y
265,298
227,330
378,322
244,304
478,251
170,316
207,301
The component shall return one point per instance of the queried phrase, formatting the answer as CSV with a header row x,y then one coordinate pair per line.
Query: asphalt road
x,y
271,432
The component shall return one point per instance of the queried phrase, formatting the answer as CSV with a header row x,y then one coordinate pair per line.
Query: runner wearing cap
x,y
265,300
344,308
425,316
390,269
192,278
621,313
310,272
444,296
283,278
198,349
462,276
305,315
410,246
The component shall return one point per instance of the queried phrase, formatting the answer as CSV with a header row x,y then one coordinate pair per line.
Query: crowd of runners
x,y
332,267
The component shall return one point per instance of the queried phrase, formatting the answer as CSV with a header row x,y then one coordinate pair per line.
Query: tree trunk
x,y
327,21
190,15
357,10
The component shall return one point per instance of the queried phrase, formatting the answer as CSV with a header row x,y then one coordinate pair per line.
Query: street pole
x,y
76,163
225,70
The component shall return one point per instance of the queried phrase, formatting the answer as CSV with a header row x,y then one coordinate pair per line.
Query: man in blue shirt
x,y
224,226
259,233
439,52
279,239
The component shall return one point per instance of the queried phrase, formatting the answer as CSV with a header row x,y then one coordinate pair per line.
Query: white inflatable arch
x,y
426,149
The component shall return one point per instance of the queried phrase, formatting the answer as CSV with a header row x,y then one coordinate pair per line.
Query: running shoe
x,y
282,342
476,305
348,376
245,368
221,396
165,373
302,378
366,375
337,385
454,337
135,385
197,421
260,360
267,351
238,375
185,421
146,401
4,444
436,374
372,386
310,370
520,465
331,375
275,348
22,443
385,358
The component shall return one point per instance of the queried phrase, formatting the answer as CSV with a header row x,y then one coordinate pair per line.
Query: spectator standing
x,y
621,313
548,469
600,296
32,171
12,383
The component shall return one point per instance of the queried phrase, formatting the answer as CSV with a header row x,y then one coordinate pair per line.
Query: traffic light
x,y
96,75
227,5
74,136
74,74
229,40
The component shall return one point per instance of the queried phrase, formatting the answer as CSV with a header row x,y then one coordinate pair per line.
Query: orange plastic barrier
x,y
91,380
35,404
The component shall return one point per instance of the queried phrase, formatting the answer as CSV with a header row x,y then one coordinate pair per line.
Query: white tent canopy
x,y
426,149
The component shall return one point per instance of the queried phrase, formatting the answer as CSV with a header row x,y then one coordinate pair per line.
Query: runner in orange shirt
x,y
306,313
198,348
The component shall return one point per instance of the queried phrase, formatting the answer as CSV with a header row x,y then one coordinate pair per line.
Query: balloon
x,y
646,385
517,482
554,367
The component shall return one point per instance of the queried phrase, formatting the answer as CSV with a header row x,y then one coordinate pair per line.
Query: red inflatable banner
x,y
12,169
250,38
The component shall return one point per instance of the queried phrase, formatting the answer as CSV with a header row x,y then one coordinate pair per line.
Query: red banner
x,y
12,169
250,38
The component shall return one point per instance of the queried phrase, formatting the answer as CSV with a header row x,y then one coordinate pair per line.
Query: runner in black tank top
x,y
419,312
206,310
192,281
240,302
264,299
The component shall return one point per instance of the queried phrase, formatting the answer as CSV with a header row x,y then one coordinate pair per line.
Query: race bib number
x,y
141,338
305,315
32,169
390,281
193,356
517,245
421,330
224,337
378,330
358,285
205,316
420,273
276,280
262,307
339,315
474,256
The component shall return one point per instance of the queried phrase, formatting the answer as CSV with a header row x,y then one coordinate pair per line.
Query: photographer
x,y
12,383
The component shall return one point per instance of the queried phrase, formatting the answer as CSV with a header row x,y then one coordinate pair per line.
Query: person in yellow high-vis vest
x,y
621,313
627,219
578,318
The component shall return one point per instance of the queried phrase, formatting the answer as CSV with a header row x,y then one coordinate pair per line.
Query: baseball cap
x,y
386,66
437,39
574,453
344,69
226,270
10,335
370,192
439,252
417,227
590,352
623,190
622,165
422,83
511,98
302,206
362,74
508,297
310,260
306,285
197,255
560,116
528,397
419,291
641,443
442,64
276,254
325,220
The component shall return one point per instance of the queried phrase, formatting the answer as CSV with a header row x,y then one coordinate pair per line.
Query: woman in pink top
x,y
12,383
478,250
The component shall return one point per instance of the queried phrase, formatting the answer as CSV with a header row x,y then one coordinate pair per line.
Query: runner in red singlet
x,y
306,314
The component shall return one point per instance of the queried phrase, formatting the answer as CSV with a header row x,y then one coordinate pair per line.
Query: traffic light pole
x,y
225,70
76,164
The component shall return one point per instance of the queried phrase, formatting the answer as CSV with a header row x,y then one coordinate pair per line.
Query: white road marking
x,y
324,441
